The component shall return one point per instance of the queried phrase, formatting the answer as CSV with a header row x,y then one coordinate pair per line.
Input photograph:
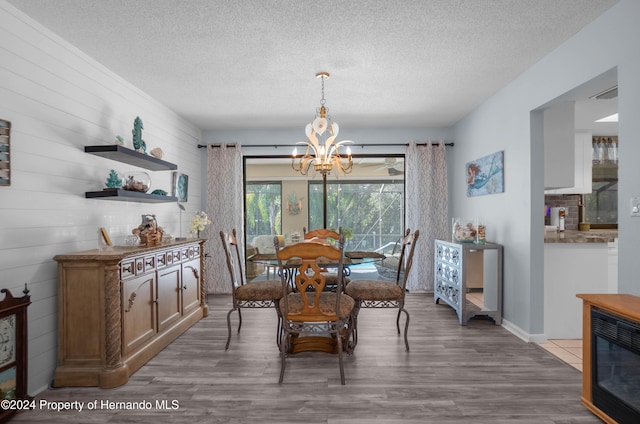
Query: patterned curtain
x,y
427,207
225,209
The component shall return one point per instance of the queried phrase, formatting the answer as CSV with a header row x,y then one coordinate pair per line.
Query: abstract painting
x,y
486,175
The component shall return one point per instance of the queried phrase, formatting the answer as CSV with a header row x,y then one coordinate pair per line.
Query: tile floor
x,y
570,351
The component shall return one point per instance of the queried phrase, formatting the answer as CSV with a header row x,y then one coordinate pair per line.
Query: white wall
x,y
514,218
59,100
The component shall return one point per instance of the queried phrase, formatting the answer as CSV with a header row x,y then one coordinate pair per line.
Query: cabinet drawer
x,y
149,263
161,260
190,252
139,266
173,257
127,268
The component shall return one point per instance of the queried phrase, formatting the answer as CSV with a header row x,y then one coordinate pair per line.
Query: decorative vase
x,y
136,181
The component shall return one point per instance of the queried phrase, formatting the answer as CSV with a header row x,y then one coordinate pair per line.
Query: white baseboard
x,y
521,334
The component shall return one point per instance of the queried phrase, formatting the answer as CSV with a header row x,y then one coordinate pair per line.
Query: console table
x,y
451,271
118,308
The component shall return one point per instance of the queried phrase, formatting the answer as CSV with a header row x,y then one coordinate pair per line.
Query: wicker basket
x,y
151,238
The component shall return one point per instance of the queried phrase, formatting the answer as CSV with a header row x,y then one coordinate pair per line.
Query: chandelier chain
x,y
322,100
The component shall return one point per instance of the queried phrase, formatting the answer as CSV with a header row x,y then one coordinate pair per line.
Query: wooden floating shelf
x,y
129,196
125,155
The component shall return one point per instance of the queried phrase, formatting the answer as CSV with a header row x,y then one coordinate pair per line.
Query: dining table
x,y
270,261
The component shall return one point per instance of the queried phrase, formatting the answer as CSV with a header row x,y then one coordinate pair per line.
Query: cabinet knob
x,y
184,287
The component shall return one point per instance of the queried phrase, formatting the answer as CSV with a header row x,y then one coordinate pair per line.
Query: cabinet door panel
x,y
190,285
138,320
168,296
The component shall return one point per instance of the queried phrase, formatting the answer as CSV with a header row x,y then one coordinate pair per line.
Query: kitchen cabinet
x,y
571,268
559,145
582,160
118,308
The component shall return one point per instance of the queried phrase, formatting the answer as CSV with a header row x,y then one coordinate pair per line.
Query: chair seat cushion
x,y
373,290
327,303
260,290
331,279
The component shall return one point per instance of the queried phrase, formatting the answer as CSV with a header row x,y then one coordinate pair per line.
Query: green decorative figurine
x,y
113,181
138,143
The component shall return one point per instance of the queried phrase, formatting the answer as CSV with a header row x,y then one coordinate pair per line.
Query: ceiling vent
x,y
609,93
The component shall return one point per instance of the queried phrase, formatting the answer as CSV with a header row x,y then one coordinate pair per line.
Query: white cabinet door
x,y
582,165
559,130
569,269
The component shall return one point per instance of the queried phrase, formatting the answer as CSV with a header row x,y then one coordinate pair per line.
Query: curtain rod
x,y
200,146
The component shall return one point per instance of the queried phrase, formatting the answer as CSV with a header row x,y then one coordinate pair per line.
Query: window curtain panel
x,y
225,209
427,207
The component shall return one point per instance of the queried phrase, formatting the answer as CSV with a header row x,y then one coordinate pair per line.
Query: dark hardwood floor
x,y
479,373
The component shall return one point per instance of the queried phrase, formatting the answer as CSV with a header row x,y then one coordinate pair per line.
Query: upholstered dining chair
x,y
383,294
324,235
310,312
255,294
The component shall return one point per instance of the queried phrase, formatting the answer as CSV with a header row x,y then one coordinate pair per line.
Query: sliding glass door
x,y
370,212
368,204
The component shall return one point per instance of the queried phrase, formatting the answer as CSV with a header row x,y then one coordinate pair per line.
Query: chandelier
x,y
322,149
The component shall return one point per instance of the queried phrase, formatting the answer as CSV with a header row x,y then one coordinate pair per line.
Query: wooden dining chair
x,y
309,311
255,294
321,234
383,294
327,236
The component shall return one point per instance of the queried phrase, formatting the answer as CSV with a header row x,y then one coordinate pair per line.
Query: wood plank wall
x,y
59,100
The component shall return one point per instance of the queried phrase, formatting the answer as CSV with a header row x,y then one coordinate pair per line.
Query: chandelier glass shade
x,y
322,150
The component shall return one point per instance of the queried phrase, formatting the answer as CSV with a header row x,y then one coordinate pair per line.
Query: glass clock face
x,y
7,339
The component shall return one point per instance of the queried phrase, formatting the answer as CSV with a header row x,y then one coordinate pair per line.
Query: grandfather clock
x,y
13,353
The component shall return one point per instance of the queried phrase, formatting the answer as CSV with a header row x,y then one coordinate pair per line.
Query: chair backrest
x,y
306,260
232,252
321,234
408,245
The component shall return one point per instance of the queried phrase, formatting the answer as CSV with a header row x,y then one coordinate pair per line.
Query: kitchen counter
x,y
573,236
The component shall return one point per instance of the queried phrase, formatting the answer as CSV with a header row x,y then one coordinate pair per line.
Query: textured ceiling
x,y
251,63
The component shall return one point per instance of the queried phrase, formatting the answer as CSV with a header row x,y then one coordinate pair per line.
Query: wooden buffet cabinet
x,y
118,308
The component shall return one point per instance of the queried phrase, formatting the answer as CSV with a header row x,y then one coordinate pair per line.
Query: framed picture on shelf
x,y
180,186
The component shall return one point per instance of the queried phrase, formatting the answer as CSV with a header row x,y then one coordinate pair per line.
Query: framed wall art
x,y
180,186
486,175
5,159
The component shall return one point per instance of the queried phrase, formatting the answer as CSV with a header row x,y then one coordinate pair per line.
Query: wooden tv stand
x,y
118,308
623,305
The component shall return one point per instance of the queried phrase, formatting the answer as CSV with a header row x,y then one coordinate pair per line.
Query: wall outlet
x,y
635,207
